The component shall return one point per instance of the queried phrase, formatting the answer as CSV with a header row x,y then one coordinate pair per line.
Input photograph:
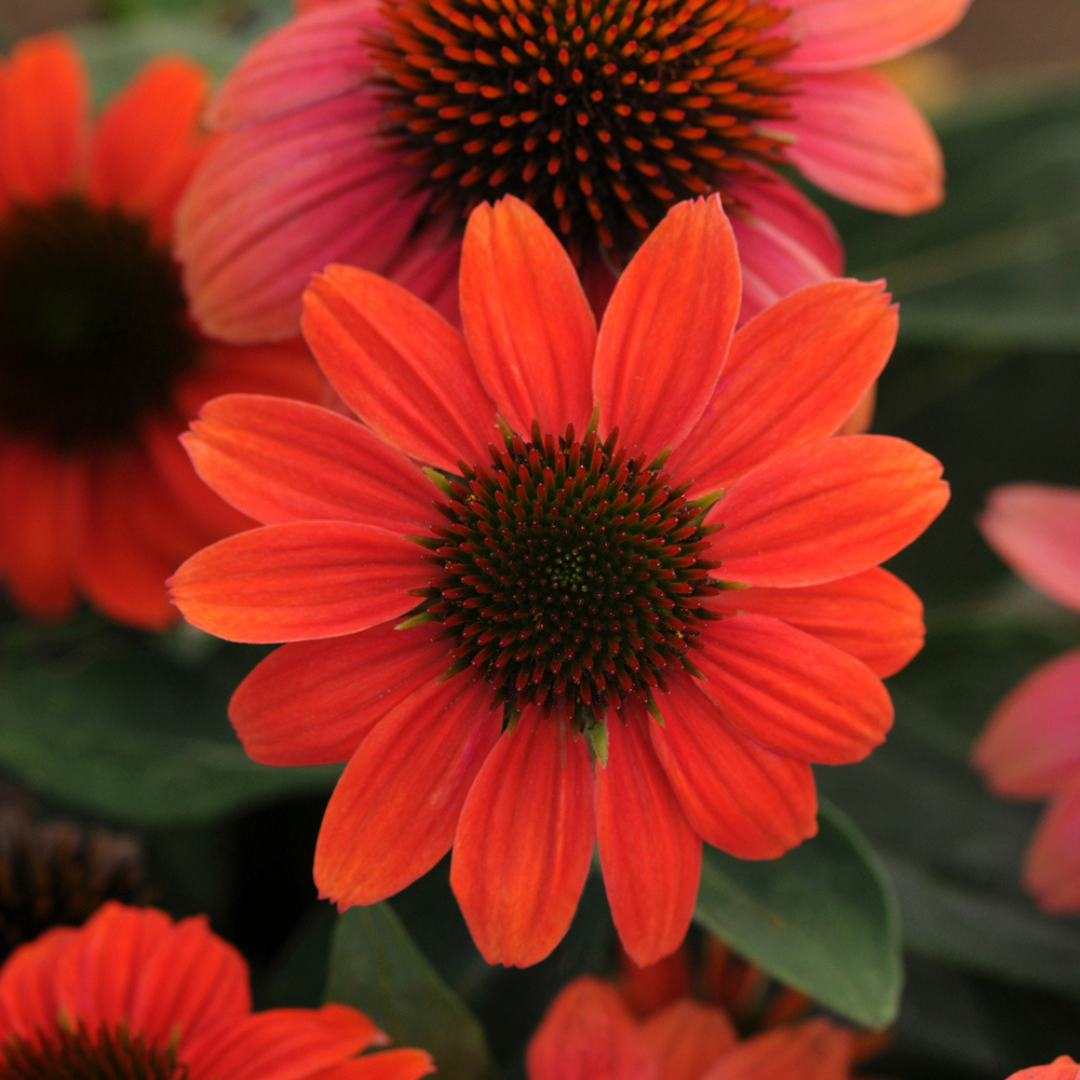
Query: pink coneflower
x,y
364,132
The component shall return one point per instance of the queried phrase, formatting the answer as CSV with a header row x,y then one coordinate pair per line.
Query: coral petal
x,y
525,841
1052,864
394,811
740,797
689,1037
826,510
815,1050
340,688
649,854
792,692
402,368
794,374
309,579
530,330
666,331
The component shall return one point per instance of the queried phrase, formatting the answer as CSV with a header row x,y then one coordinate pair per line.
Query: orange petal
x,y
341,687
1035,528
43,119
861,139
666,331
689,1037
282,461
1061,1068
400,1064
401,367
838,34
309,579
588,1034
740,797
816,1050
794,374
649,854
827,510
148,142
29,994
873,616
1029,748
792,692
529,328
394,811
525,841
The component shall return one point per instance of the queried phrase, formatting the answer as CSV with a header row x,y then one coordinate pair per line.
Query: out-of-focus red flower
x,y
132,994
365,131
1062,1068
589,1034
1030,749
563,588
101,367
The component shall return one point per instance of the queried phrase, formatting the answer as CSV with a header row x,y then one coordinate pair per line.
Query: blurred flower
x,y
1030,749
1062,1068
589,1034
546,509
100,366
134,995
58,874
365,131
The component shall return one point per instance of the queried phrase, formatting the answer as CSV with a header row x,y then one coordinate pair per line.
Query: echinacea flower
x,y
100,365
1062,1068
134,996
1030,749
365,131
589,1034
561,588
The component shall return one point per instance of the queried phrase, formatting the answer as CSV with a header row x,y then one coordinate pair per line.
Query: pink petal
x,y
792,692
857,136
649,854
794,374
283,461
826,510
313,702
525,841
838,34
1031,746
528,325
740,797
785,242
873,616
394,811
1052,864
665,334
402,368
309,579
1035,528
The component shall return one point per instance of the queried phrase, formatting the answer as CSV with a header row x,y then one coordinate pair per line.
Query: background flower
x,y
1031,746
557,597
100,365
364,133
133,993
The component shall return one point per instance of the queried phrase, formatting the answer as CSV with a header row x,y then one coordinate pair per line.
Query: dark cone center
x,y
599,113
74,1053
569,575
93,324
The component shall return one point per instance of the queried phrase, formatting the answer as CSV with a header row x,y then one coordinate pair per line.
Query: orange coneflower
x,y
575,587
100,364
364,132
134,996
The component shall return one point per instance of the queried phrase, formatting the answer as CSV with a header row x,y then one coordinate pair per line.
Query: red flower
x,y
364,132
1030,749
1062,1068
132,994
506,496
100,367
589,1034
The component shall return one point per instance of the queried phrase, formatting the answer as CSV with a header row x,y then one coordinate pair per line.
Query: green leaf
x,y
821,918
134,728
376,967
999,262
